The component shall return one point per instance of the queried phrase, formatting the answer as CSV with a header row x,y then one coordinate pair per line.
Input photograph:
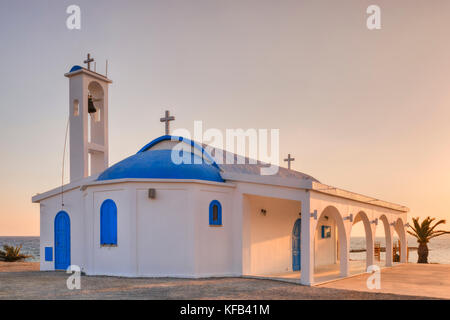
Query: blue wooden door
x,y
296,245
62,241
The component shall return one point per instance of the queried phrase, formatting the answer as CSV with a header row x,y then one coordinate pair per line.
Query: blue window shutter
x,y
218,221
113,226
108,223
48,253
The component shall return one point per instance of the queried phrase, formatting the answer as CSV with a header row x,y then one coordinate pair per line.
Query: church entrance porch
x,y
271,235
322,274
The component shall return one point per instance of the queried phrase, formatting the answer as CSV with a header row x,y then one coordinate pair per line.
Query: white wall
x,y
50,207
166,236
271,235
165,245
115,260
325,249
214,244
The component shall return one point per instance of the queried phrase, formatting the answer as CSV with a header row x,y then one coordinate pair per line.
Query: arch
x,y
215,213
296,245
388,240
96,91
400,229
62,240
332,212
369,237
108,223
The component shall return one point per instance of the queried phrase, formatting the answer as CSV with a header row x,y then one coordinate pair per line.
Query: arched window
x,y
215,213
108,223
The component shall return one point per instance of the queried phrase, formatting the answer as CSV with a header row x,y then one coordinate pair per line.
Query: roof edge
x,y
341,193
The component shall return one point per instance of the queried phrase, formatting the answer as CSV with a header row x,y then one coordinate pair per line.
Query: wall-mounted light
x,y
263,212
314,215
349,217
375,222
151,193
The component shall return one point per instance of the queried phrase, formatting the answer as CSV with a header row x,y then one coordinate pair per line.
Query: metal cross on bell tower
x,y
289,160
167,119
88,61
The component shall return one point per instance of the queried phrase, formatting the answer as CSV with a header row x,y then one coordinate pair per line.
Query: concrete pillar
x,y
344,241
370,244
389,246
238,226
307,245
401,231
344,261
404,250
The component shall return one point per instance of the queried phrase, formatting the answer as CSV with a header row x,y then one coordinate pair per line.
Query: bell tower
x,y
88,107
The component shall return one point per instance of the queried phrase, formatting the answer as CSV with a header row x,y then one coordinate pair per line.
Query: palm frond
x,y
425,231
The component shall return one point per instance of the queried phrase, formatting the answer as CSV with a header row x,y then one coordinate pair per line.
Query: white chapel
x,y
146,216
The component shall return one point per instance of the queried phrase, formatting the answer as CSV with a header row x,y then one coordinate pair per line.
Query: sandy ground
x,y
431,280
52,285
18,266
22,281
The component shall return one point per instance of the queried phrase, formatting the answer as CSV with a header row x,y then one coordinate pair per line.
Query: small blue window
x,y
326,232
48,253
108,223
215,213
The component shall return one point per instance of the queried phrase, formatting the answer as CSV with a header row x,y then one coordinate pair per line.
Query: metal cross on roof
x,y
167,119
289,160
88,61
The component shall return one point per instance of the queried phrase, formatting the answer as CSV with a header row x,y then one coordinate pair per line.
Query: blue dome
x,y
158,164
75,68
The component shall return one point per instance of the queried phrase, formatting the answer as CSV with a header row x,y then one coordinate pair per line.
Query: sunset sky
x,y
362,110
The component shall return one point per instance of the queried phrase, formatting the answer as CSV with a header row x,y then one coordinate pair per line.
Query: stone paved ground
x,y
52,285
431,280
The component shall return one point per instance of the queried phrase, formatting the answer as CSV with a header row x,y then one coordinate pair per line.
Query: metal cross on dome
x,y
167,119
88,61
289,160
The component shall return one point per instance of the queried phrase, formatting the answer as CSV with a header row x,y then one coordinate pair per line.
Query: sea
x,y
439,248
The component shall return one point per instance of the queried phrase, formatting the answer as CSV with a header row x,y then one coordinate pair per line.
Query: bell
x,y
91,107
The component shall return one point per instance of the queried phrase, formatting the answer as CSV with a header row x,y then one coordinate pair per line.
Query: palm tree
x,y
12,254
424,232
